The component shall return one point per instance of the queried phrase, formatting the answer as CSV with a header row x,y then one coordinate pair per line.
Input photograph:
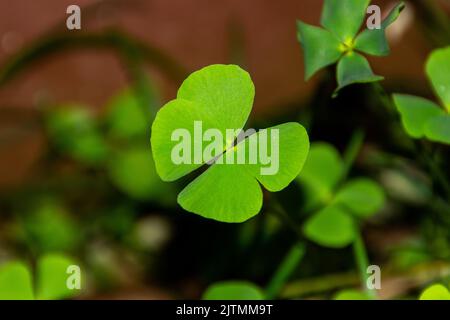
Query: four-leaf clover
x,y
422,117
221,97
339,41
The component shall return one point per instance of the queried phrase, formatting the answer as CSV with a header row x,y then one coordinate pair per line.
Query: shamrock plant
x,y
16,280
337,205
221,98
422,118
339,41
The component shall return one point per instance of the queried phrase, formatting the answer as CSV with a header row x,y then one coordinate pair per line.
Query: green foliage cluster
x,y
337,201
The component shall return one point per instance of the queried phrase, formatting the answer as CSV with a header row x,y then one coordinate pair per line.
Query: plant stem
x,y
415,277
285,218
362,262
285,270
353,148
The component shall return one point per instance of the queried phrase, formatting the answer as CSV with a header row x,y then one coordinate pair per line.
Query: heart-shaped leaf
x,y
438,129
331,227
52,277
435,292
216,195
362,196
354,68
220,97
438,71
15,282
233,290
374,41
415,113
321,47
344,17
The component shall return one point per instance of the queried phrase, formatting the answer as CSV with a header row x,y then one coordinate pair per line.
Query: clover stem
x,y
362,262
285,218
285,270
352,151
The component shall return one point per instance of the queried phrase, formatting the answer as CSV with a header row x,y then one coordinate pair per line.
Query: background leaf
x,y
415,113
133,172
331,227
15,282
233,290
52,277
126,117
74,131
362,196
438,129
321,172
435,292
438,71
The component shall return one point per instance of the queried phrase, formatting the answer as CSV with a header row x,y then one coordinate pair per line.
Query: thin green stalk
x,y
285,219
352,151
285,270
362,262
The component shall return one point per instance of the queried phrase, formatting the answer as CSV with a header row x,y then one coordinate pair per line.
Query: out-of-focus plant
x,y
49,283
435,292
341,203
421,117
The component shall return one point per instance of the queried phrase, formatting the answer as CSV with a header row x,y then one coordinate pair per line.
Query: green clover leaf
x,y
51,277
361,196
15,282
342,19
331,227
435,292
221,97
334,225
422,118
233,290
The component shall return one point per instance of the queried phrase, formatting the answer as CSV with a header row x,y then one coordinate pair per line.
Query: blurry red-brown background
x,y
195,33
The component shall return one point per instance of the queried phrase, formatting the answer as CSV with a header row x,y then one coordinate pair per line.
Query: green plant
x,y
421,117
338,204
340,42
222,97
49,283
